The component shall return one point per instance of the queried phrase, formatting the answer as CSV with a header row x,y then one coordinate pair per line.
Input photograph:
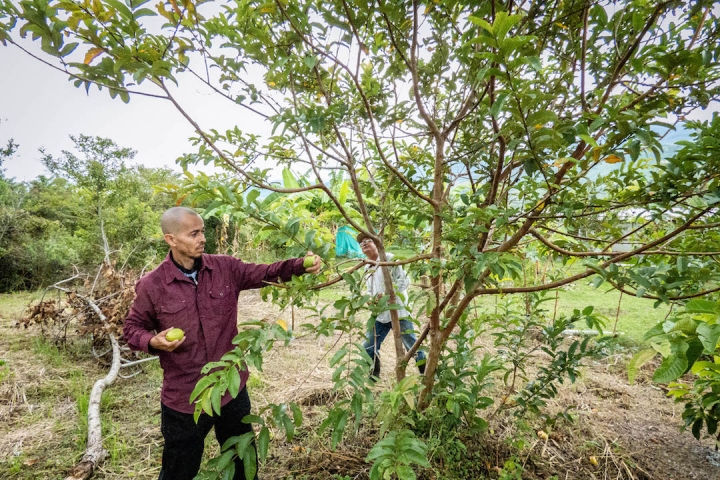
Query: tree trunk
x,y
433,357
394,319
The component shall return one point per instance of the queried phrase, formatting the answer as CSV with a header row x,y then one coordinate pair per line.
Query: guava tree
x,y
476,134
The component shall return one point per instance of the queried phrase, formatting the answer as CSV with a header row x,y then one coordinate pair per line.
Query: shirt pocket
x,y
221,300
173,313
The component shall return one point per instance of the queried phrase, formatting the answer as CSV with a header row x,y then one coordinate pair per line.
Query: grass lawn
x,y
636,315
629,315
44,393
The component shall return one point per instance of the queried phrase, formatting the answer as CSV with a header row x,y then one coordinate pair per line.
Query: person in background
x,y
198,293
381,325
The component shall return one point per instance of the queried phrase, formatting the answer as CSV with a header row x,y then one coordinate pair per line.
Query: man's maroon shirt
x,y
207,312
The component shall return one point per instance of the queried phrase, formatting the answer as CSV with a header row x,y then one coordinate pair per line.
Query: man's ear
x,y
170,239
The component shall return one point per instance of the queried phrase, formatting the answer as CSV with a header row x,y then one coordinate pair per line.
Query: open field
x,y
632,430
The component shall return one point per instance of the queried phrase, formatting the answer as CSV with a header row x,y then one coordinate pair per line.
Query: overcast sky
x,y
39,107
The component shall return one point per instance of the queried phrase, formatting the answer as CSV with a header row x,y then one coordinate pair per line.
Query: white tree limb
x,y
94,452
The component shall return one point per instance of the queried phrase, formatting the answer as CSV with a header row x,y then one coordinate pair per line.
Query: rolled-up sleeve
x,y
140,324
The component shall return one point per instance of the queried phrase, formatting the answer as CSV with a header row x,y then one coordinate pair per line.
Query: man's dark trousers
x,y
185,439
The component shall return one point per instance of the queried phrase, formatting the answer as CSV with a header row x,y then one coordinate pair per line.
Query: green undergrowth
x,y
45,434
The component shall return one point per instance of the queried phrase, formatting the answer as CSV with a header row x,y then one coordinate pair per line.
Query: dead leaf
x,y
613,159
176,8
92,53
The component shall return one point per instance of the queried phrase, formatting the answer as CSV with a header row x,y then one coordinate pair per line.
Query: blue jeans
x,y
375,337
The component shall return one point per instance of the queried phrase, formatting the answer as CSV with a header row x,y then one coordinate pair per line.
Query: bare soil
x,y
632,431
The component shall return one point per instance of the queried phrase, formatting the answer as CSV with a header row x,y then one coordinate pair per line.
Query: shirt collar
x,y
195,268
171,272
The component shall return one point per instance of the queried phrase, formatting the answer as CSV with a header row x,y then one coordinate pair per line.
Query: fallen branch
x,y
94,452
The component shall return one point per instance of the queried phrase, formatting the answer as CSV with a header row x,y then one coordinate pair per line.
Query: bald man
x,y
197,293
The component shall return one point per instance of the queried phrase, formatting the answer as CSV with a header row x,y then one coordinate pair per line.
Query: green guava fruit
x,y
174,334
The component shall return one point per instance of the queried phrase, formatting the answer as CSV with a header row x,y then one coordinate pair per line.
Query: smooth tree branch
x,y
481,290
226,160
94,452
603,253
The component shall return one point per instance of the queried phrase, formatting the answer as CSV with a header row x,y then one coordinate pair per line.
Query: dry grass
x,y
631,430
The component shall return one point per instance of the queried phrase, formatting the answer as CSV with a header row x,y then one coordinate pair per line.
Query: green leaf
x,y
225,459
535,63
263,443
144,12
588,139
289,427
356,406
696,428
405,473
289,180
498,104
252,195
702,306
206,402
709,335
655,331
233,379
503,23
416,455
672,367
693,353
297,414
240,442
682,264
202,385
541,118
685,325
481,23
344,190
251,418
338,356
339,429
228,473
68,49
637,361
250,462
310,61
216,398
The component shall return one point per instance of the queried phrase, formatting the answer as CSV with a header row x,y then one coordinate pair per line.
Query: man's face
x,y
369,249
189,241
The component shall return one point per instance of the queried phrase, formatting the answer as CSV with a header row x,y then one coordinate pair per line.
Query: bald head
x,y
172,220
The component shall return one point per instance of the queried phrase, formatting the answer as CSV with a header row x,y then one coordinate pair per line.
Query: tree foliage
x,y
478,135
50,225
